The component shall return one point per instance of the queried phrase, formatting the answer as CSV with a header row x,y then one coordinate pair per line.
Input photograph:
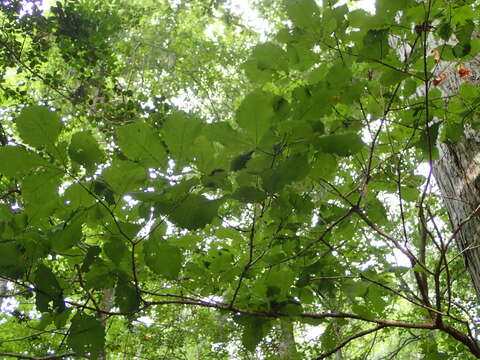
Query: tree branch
x,y
346,341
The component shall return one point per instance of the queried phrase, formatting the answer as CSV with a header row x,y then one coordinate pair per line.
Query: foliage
x,y
171,186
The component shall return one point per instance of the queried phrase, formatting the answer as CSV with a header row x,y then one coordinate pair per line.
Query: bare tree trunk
x,y
457,175
287,350
106,305
3,290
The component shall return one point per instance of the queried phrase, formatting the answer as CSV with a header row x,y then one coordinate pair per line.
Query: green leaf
x,y
419,268
445,31
375,299
240,162
324,166
38,126
12,261
363,20
392,77
86,335
469,92
101,188
254,330
255,114
124,176
390,8
342,144
84,150
188,242
77,196
139,142
115,249
162,258
354,288
375,210
126,297
16,161
291,308
224,134
180,131
194,212
298,166
363,311
60,318
266,59
40,192
294,168
249,194
463,15
47,290
451,131
92,254
375,45
339,76
68,236
329,338
428,141
99,275
303,13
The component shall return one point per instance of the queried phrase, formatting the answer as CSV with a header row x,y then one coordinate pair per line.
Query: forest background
x,y
181,180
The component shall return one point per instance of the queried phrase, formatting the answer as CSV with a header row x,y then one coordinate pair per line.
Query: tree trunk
x,y
106,305
3,290
457,175
287,349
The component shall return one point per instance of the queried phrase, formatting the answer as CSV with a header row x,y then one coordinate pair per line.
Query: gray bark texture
x,y
457,176
106,305
3,290
287,349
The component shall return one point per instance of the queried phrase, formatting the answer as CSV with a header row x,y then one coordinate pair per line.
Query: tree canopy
x,y
176,183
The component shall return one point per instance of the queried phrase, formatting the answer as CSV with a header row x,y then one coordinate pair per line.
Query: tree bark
x,y
457,175
287,350
3,290
106,305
